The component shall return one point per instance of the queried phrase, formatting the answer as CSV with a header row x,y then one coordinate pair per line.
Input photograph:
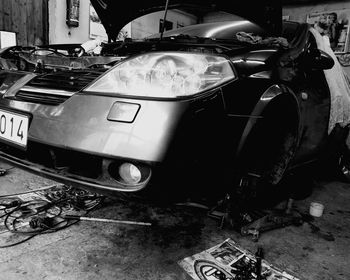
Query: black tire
x,y
269,149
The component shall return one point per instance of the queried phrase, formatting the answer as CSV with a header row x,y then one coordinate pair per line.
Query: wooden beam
x,y
7,9
31,13
2,15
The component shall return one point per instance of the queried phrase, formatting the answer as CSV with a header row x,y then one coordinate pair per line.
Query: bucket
x,y
316,209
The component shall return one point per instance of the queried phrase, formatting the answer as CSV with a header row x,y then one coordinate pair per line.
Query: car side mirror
x,y
318,60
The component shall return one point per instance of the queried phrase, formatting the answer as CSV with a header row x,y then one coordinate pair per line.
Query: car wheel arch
x,y
278,102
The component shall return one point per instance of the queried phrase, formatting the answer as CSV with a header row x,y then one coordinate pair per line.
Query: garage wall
x,y
27,18
60,32
144,26
149,24
300,12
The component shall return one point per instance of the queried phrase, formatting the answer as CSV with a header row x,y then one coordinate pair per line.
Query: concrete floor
x,y
92,250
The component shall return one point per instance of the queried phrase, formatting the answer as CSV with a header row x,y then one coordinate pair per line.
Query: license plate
x,y
14,128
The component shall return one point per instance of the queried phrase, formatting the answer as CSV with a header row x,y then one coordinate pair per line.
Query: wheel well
x,y
272,142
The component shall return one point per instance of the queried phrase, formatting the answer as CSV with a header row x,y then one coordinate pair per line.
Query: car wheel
x,y
269,149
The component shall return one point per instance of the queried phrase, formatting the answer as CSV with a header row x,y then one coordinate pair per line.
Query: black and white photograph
x,y
174,140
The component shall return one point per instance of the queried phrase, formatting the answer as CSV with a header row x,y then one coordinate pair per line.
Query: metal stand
x,y
275,219
231,212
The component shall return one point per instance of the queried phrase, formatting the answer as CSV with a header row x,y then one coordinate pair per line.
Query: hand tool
x,y
81,218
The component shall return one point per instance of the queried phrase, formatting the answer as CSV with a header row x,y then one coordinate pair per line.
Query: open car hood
x,y
114,15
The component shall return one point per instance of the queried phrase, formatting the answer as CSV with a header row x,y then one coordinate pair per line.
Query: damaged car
x,y
211,104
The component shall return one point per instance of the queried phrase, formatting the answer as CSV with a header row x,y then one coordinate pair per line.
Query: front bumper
x,y
77,135
104,183
81,124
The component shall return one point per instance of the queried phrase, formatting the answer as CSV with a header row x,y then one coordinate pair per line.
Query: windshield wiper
x,y
227,44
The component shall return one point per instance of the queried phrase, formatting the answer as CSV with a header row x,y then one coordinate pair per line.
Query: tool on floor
x,y
273,220
226,215
259,255
3,171
238,210
81,218
231,209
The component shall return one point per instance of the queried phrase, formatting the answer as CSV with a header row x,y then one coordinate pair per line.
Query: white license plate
x,y
14,128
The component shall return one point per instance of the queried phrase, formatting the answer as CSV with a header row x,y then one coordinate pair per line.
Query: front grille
x,y
72,80
40,97
54,88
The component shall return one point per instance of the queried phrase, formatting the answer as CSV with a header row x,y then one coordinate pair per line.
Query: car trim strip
x,y
48,91
11,89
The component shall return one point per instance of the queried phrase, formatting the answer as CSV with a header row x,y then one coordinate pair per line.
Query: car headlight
x,y
166,74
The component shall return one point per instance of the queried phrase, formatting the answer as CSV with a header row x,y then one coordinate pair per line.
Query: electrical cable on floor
x,y
40,216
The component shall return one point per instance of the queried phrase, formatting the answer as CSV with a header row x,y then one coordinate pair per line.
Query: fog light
x,y
130,173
